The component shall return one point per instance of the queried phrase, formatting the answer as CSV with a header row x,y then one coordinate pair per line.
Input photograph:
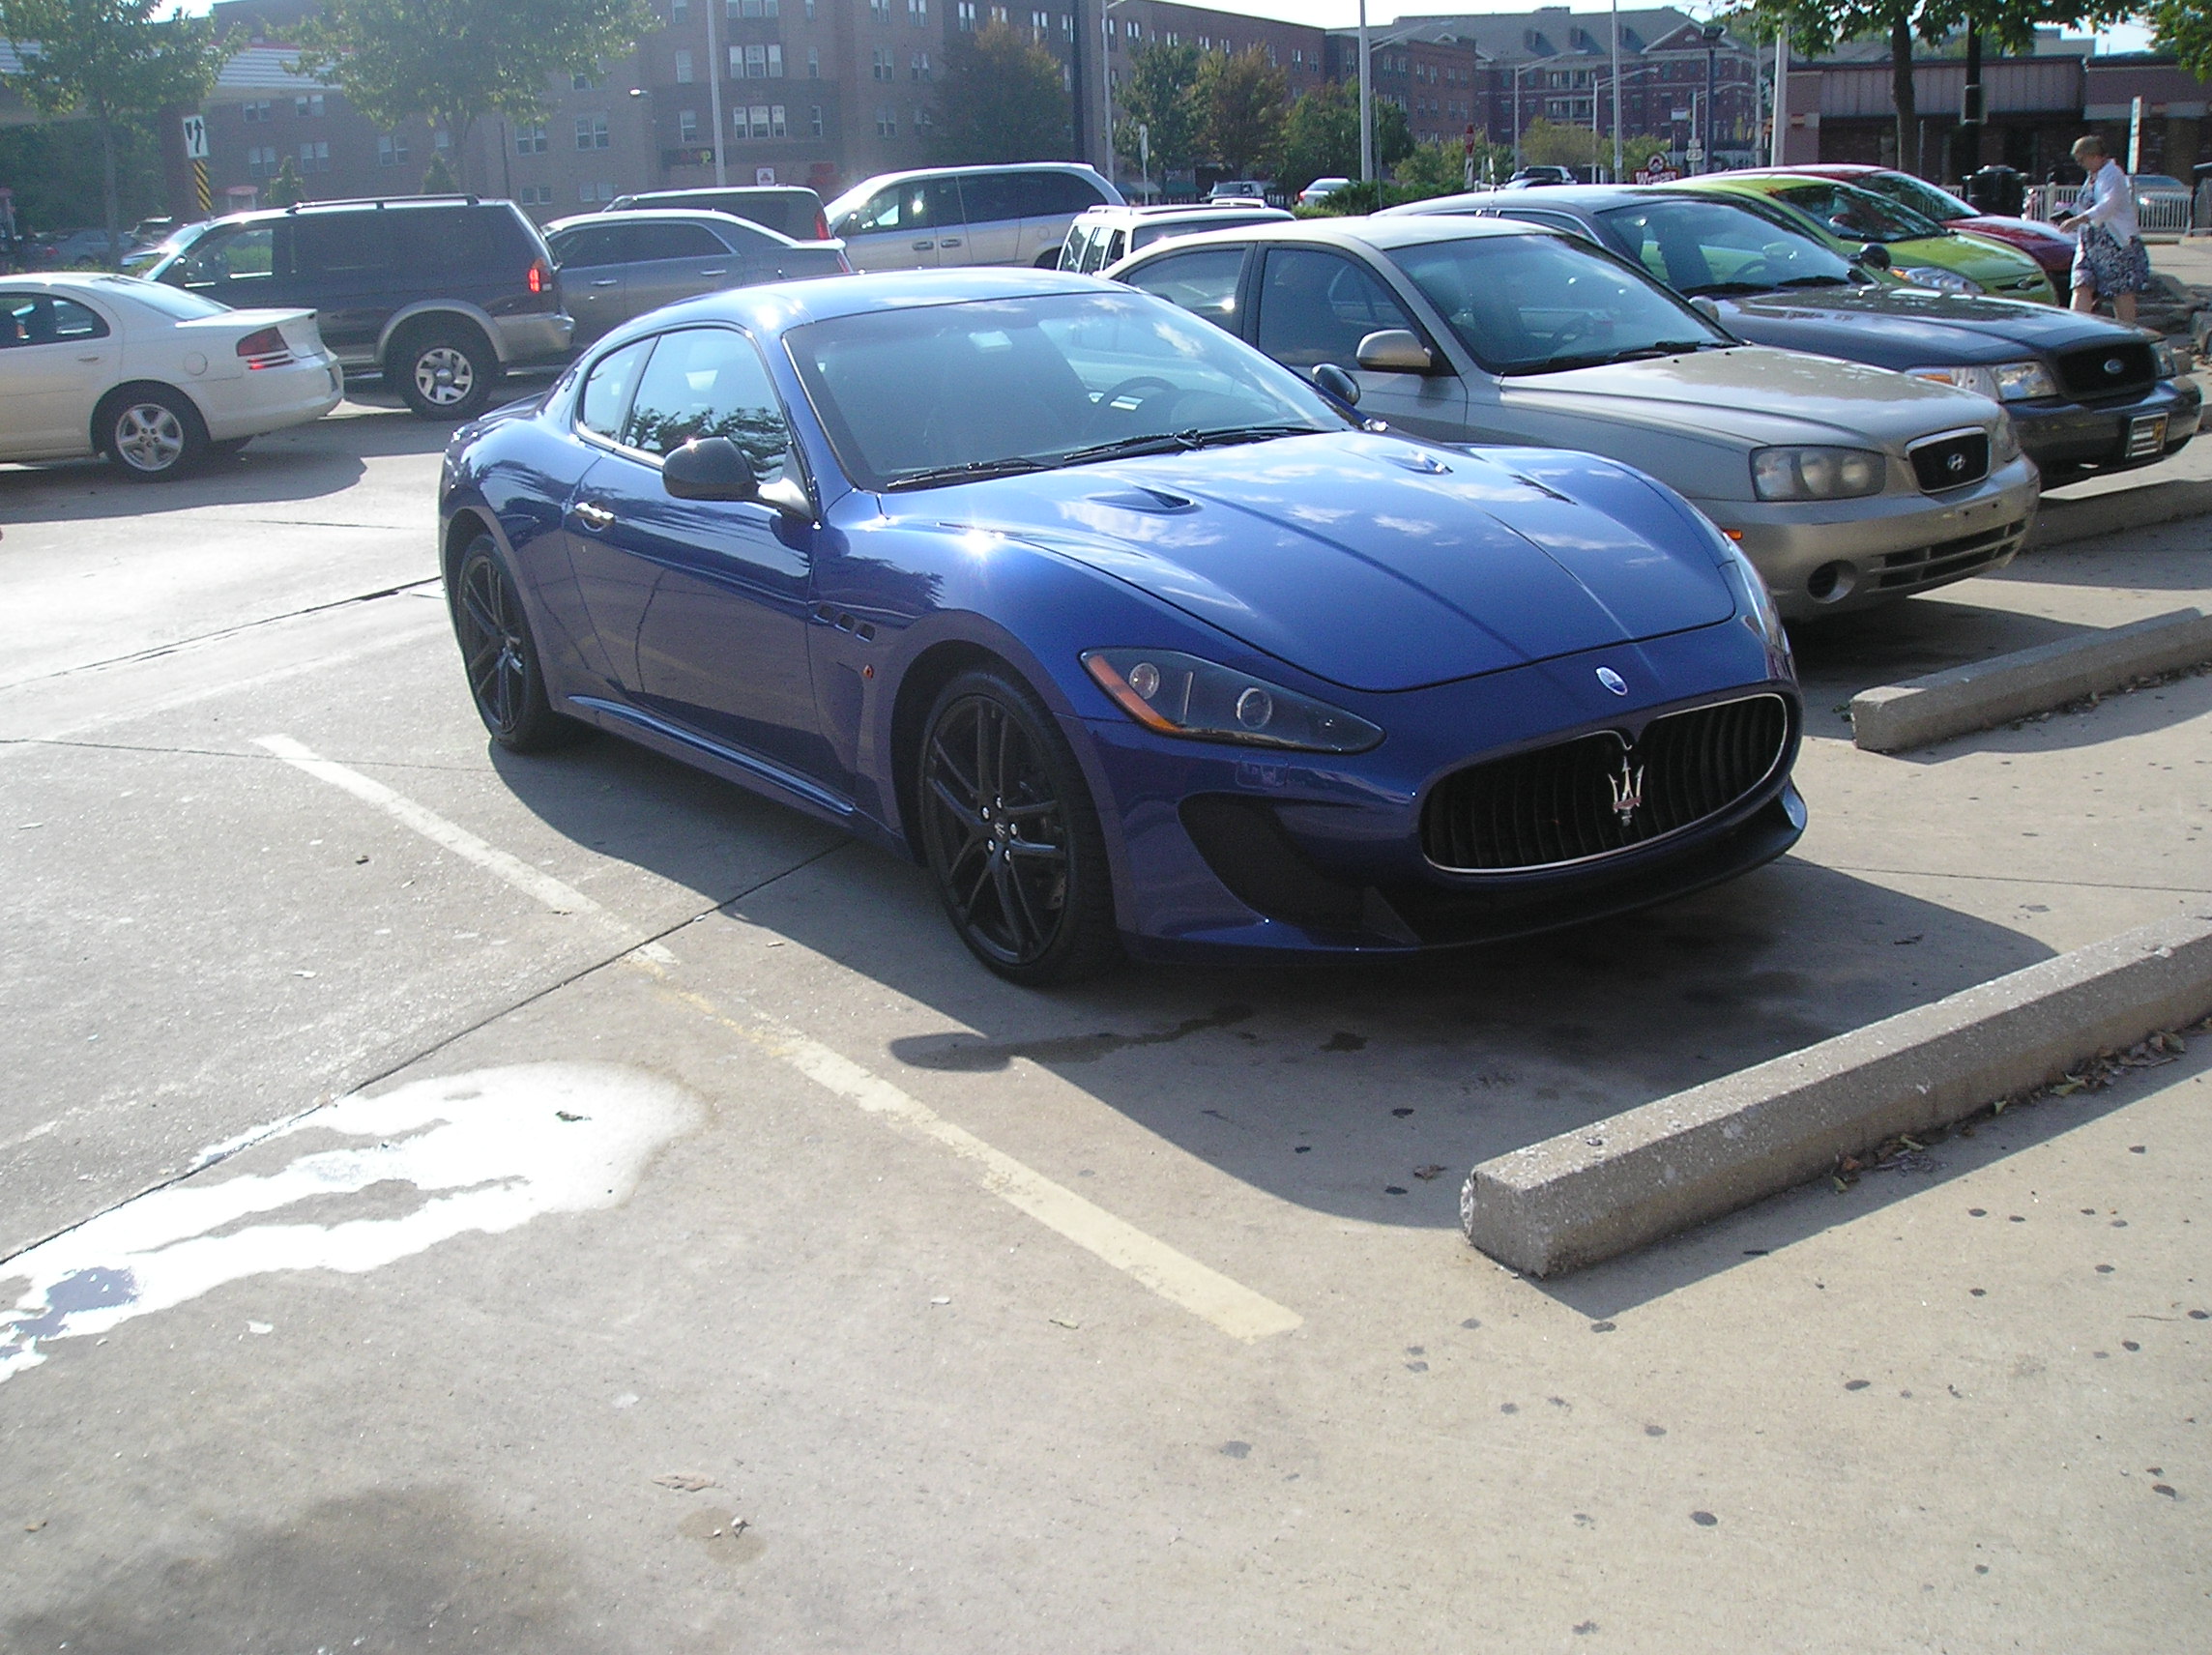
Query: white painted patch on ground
x,y
490,1150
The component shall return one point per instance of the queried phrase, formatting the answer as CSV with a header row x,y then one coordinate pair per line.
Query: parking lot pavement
x,y
699,1149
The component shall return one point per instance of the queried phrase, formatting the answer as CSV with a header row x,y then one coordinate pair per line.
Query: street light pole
x,y
1712,34
714,93
1366,103
1616,91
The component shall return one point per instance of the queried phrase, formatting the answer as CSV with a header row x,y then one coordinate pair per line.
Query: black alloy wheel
x,y
1010,834
505,680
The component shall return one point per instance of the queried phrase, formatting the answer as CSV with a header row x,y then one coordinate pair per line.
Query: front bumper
x,y
1826,556
1222,850
2065,438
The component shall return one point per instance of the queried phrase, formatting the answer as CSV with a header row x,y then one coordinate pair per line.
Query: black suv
x,y
441,293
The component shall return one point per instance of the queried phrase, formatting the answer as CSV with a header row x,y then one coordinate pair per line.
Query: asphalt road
x,y
675,1138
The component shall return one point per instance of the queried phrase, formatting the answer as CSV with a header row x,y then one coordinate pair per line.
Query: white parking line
x,y
1205,1293
1235,1309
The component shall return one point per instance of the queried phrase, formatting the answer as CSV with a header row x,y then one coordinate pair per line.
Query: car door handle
x,y
719,269
592,515
608,281
949,242
91,359
924,247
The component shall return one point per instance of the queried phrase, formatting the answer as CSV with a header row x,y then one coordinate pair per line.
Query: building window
x,y
775,60
591,132
880,65
810,11
315,158
579,83
261,162
814,119
774,121
530,140
814,63
254,114
917,13
879,12
391,151
920,67
309,106
686,126
887,121
967,16
922,120
683,67
678,10
1297,55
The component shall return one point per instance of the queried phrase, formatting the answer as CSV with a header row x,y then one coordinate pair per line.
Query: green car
x,y
1921,252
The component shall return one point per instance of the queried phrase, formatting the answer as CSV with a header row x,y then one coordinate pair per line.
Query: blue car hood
x,y
1346,556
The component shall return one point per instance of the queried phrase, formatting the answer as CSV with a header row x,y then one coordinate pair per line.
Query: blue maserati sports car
x,y
1133,638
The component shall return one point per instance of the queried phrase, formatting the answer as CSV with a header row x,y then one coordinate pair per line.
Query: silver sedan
x,y
618,265
1844,484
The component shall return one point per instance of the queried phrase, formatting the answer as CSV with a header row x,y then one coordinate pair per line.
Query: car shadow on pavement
x,y
273,471
1364,1089
1766,1229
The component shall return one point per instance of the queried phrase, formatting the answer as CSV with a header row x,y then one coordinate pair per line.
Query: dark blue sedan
x,y
1135,640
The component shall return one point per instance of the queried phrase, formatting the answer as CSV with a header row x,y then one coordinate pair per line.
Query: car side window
x,y
246,255
1045,195
339,245
606,398
651,242
1316,307
588,247
1093,250
887,209
1545,220
709,382
36,319
1203,282
991,197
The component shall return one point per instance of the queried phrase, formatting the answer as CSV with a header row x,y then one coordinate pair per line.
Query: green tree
x,y
1438,168
1553,143
1243,98
111,62
1321,136
438,178
456,61
1161,95
2184,28
1001,101
286,189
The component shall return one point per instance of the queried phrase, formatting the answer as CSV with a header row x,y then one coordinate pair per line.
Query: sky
x,y
1344,13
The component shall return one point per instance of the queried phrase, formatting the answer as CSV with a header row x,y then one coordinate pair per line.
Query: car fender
x,y
458,309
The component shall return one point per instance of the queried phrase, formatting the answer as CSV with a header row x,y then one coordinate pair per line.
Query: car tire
x,y
1010,837
151,433
1049,259
442,370
500,656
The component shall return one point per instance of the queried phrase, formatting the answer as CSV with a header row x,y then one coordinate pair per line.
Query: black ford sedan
x,y
2085,394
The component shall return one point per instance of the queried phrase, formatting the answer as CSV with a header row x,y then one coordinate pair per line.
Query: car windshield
x,y
1713,247
1920,196
169,300
1858,215
998,387
1542,303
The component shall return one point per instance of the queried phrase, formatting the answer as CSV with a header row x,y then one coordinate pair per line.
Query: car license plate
x,y
2147,436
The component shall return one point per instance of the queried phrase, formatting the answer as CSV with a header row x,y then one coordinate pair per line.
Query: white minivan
x,y
966,214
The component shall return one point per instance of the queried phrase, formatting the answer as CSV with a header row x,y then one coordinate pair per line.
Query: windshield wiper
x,y
1636,353
1818,281
1178,442
974,471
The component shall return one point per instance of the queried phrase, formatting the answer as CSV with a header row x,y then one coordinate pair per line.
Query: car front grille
x,y
2106,370
1953,461
1947,560
1597,796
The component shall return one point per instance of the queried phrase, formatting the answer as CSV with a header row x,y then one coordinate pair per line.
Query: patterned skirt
x,y
2105,267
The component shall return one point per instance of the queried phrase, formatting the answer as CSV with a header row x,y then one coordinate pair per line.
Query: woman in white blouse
x,y
2110,260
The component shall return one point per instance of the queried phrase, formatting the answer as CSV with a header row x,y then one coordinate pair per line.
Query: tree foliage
x,y
113,62
1244,100
286,189
1001,101
438,178
2184,28
1321,136
456,61
1161,94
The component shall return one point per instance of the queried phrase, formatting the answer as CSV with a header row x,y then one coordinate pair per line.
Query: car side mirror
x,y
1706,306
1875,256
710,468
1332,381
1394,350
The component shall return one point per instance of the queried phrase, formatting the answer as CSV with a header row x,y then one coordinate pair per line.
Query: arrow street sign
x,y
196,138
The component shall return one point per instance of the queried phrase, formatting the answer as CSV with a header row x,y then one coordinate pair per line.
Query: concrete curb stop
x,y
2145,505
1618,1184
1892,717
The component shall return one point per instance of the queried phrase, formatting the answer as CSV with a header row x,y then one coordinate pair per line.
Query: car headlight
x,y
2167,361
2004,443
1940,279
1181,695
2004,381
1816,473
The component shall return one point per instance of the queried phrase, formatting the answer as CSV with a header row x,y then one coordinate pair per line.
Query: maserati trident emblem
x,y
1613,681
1627,791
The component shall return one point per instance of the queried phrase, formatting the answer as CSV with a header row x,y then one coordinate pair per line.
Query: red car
x,y
2050,248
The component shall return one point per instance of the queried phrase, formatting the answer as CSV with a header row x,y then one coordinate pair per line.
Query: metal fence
x,y
2158,214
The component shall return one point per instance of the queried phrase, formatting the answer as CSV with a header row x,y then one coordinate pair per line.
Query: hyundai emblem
x,y
1613,681
2115,367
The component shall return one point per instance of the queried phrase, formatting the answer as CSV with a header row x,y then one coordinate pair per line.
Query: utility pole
x,y
1712,36
715,92
1968,149
1366,103
1078,73
1616,92
1780,90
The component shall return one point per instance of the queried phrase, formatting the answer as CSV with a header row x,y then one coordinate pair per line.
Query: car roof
x,y
776,307
665,216
1179,209
885,180
1413,230
1590,198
